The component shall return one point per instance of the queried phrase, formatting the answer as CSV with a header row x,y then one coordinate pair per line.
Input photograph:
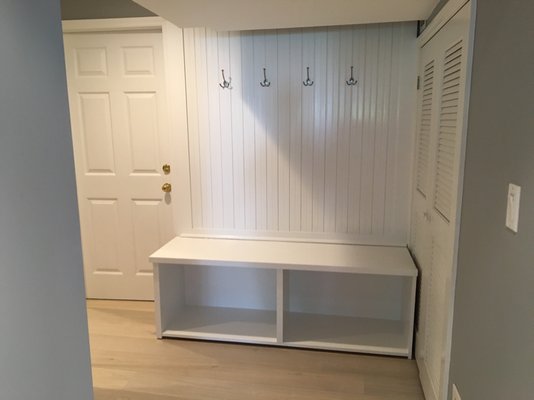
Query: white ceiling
x,y
271,14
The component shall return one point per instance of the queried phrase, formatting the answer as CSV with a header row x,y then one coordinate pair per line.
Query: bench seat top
x,y
306,256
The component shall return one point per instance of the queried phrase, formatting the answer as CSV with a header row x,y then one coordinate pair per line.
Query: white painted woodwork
x,y
275,14
113,24
330,161
332,332
375,260
436,198
425,122
326,296
120,134
226,324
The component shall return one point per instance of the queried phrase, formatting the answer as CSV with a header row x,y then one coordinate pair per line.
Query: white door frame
x,y
112,24
175,99
444,15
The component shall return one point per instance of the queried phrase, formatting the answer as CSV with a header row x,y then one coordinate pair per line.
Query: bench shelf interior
x,y
244,297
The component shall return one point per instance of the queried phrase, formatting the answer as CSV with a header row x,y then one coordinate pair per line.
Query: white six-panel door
x,y
117,105
441,111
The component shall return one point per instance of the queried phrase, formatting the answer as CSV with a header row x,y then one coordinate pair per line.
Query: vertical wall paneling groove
x,y
261,129
249,147
391,119
319,137
215,128
308,131
356,124
380,161
372,43
333,87
404,117
225,110
272,129
283,72
295,133
290,160
237,130
204,127
197,202
345,96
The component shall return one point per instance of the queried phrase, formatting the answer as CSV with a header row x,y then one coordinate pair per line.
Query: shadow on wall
x,y
94,9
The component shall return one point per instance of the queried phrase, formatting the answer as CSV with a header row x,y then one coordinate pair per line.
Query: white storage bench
x,y
313,295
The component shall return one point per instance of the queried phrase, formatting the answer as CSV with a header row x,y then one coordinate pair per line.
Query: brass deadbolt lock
x,y
167,188
166,168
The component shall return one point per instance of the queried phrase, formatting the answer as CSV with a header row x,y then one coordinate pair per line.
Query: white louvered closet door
x,y
436,184
420,232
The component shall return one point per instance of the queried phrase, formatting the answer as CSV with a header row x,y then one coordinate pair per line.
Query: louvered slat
x,y
423,140
447,133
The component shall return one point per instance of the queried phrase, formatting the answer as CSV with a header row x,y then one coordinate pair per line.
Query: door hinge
x,y
418,82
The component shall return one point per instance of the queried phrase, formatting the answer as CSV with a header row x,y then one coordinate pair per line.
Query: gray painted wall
x,y
93,9
493,333
44,352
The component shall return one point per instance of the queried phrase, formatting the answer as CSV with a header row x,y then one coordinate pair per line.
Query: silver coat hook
x,y
308,81
266,82
351,81
226,83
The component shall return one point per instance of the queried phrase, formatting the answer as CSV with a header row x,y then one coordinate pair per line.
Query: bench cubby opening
x,y
349,312
224,303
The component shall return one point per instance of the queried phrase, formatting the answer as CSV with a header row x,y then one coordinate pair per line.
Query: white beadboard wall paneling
x,y
295,97
356,130
272,131
308,131
369,130
196,181
319,137
333,88
324,161
214,121
284,129
249,132
391,116
343,159
380,162
225,112
404,144
237,131
259,105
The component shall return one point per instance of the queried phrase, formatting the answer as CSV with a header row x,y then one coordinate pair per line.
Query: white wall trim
x,y
173,54
444,15
112,24
426,383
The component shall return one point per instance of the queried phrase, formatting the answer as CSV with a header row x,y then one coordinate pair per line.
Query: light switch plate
x,y
455,393
512,210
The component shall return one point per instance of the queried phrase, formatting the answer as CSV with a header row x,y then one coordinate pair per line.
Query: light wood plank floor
x,y
130,364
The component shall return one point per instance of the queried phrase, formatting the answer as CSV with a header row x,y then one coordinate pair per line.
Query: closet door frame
x,y
439,21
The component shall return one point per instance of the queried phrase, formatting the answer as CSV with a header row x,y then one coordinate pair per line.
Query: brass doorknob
x,y
166,168
167,188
